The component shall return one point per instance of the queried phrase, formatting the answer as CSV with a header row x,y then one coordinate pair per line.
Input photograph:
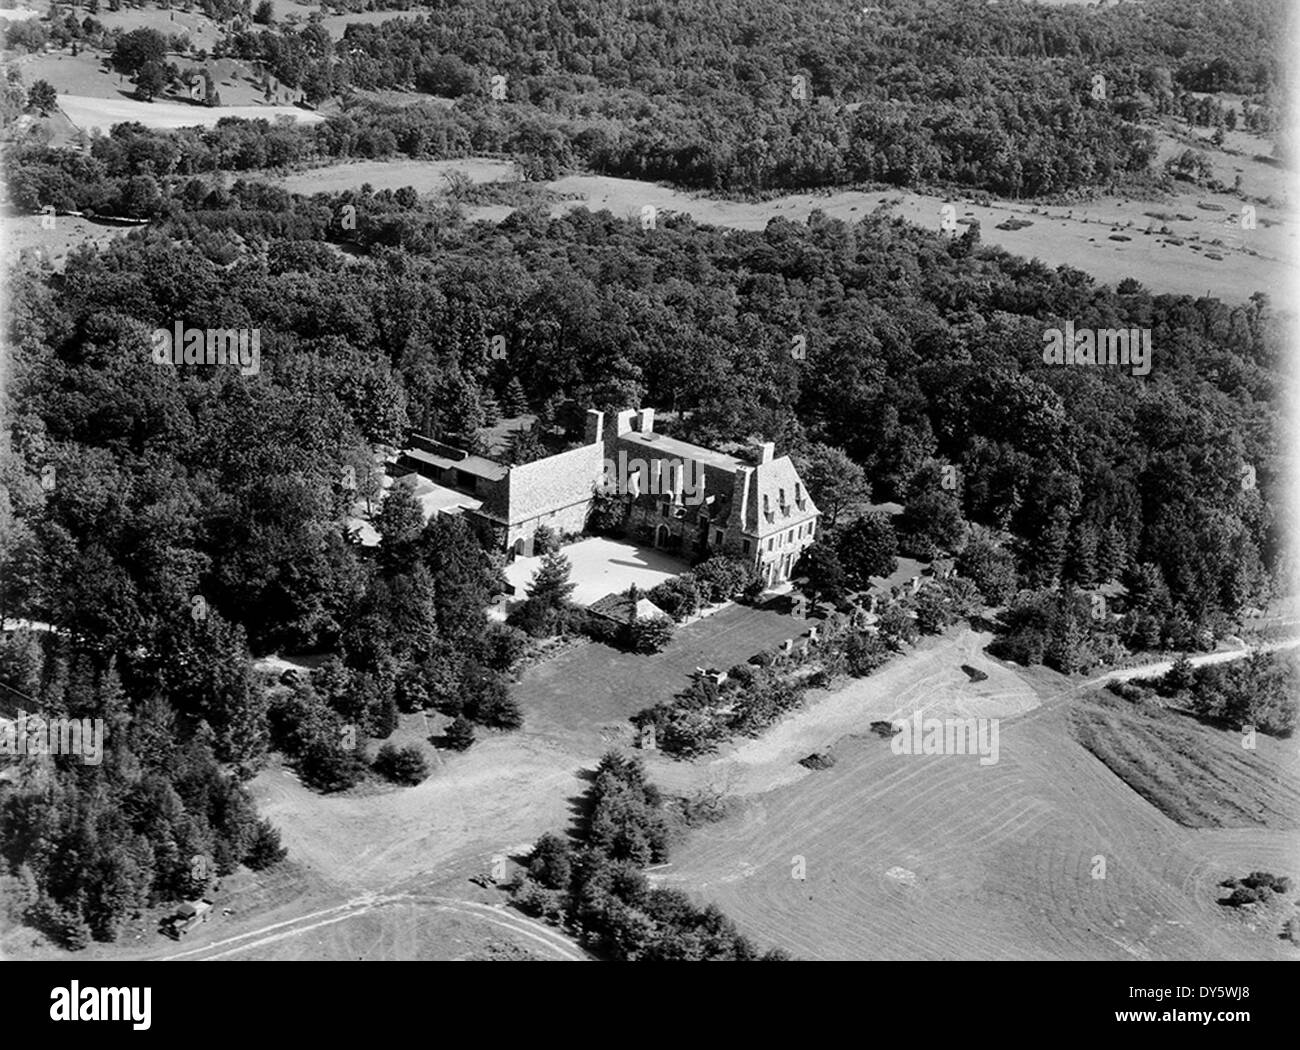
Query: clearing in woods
x,y
1190,243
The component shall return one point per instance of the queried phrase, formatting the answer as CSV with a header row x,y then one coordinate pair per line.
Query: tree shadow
x,y
581,807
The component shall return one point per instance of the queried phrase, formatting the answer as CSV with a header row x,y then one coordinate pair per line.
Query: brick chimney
x,y
765,451
740,495
647,425
595,426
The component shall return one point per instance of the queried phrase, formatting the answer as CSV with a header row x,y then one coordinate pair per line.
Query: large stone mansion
x,y
674,495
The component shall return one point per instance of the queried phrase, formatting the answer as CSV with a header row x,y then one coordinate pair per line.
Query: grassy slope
x,y
937,857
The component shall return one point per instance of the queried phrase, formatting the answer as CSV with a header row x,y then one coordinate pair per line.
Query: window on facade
x,y
790,536
769,544
744,546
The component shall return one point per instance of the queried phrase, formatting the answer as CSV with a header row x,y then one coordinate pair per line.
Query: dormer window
x,y
785,507
798,495
767,506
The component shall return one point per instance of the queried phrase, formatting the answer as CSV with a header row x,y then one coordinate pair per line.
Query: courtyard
x,y
603,566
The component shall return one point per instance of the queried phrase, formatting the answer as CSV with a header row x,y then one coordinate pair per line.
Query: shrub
x,y
992,568
818,760
1256,888
488,700
607,516
650,635
265,849
742,675
723,577
598,628
552,862
763,703
503,645
538,901
327,766
679,597
1276,883
1179,677
1242,895
545,540
1129,691
497,708
401,765
863,653
383,718
685,731
460,734
896,627
708,805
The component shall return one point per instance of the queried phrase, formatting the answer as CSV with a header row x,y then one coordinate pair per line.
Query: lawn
x,y
593,690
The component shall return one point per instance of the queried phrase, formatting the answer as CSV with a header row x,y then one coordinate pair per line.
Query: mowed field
x,y
89,113
424,176
939,857
86,76
1081,236
1196,775
90,95
19,232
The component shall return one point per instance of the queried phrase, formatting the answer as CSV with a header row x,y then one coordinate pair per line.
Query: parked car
x,y
187,917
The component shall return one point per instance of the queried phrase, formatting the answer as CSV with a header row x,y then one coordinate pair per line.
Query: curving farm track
x,y
396,934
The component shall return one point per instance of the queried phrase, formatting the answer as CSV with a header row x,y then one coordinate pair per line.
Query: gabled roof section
x,y
473,465
775,489
618,607
684,450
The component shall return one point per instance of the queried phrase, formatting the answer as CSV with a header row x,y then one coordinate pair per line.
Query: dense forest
x,y
921,349
748,96
1018,99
